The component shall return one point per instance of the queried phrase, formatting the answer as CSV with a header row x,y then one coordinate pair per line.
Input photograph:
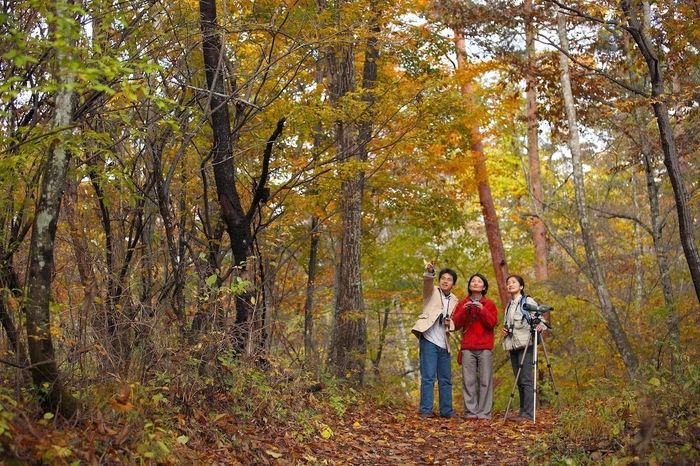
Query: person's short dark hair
x,y
483,279
451,272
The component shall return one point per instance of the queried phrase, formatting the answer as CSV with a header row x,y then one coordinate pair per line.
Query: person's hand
x,y
430,267
541,327
474,307
447,321
504,332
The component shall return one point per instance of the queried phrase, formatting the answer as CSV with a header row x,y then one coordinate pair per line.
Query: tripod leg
x,y
534,375
551,374
517,376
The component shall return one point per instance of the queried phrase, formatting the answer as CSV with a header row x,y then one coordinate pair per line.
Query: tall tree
x,y
238,221
348,342
310,351
44,370
660,99
593,266
641,123
660,104
488,209
539,229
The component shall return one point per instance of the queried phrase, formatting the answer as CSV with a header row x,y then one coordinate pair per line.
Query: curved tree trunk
x,y
686,228
232,212
641,123
238,222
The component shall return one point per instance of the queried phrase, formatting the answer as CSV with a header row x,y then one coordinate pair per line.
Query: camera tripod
x,y
532,337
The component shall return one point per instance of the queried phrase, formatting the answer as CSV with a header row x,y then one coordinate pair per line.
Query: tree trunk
x,y
309,348
595,272
403,336
176,298
44,370
661,252
83,259
10,284
493,231
237,225
383,325
638,244
14,222
686,227
539,229
656,218
348,343
310,352
238,222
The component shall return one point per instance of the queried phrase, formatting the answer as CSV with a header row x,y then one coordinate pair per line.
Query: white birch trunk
x,y
596,274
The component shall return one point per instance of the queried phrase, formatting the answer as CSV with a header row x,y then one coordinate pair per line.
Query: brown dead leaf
x,y
122,435
124,394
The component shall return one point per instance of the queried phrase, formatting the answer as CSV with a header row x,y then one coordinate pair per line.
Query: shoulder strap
x,y
447,298
523,300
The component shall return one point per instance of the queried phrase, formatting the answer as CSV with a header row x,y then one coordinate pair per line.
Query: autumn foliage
x,y
213,226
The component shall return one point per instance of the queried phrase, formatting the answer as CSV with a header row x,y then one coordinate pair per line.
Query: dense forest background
x,y
213,201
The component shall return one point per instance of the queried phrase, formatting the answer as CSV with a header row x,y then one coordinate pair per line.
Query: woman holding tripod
x,y
518,340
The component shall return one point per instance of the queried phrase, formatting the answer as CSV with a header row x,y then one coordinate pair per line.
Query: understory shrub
x,y
655,421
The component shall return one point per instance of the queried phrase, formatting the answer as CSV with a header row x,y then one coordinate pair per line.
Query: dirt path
x,y
390,438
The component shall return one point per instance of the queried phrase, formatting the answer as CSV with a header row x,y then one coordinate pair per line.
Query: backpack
x,y
526,314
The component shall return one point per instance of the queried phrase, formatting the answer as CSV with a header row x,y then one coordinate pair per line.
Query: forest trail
x,y
399,438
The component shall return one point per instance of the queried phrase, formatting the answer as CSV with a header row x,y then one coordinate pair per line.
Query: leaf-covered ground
x,y
277,429
261,418
386,437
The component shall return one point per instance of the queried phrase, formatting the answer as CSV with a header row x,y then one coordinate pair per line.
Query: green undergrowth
x,y
655,421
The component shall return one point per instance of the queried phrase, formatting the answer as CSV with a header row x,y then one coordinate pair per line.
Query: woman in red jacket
x,y
477,316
